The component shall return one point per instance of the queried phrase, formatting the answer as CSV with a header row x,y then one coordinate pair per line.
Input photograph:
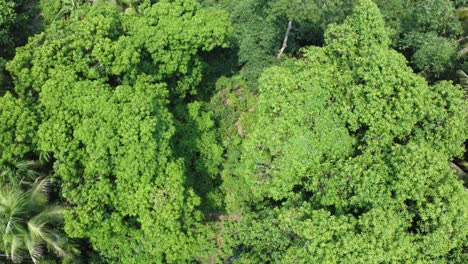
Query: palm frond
x,y
56,243
44,157
34,247
36,230
52,214
25,222
6,242
17,169
65,10
14,201
6,173
12,226
28,168
27,165
41,185
15,249
39,190
37,226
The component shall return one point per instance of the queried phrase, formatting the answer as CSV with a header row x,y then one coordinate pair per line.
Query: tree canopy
x,y
250,131
102,96
345,161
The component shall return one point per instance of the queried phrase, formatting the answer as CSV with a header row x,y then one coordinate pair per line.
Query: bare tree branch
x,y
285,41
462,74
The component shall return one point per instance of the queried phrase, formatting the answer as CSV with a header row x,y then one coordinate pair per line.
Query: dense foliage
x,y
345,160
102,94
18,20
425,31
251,131
18,124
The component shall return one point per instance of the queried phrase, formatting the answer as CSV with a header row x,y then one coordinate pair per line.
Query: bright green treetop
x,y
101,81
18,125
348,159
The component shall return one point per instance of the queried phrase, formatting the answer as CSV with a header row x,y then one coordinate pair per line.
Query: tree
x,y
7,17
59,9
462,14
102,82
348,159
28,223
17,22
260,26
197,142
419,28
18,124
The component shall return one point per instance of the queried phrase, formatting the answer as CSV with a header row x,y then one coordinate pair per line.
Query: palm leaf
x,y
12,201
25,222
63,11
27,167
12,226
15,250
34,247
38,192
56,243
49,215
37,227
44,156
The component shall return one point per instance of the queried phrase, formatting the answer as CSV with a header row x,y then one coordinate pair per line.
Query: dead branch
x,y
285,41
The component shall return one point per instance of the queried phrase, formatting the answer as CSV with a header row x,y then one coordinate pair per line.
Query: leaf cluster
x,y
347,160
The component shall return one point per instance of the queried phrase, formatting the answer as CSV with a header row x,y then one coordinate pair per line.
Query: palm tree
x,y
19,171
28,223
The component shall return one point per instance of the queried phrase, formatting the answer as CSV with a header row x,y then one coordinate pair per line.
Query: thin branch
x,y
462,39
463,52
462,74
285,41
460,173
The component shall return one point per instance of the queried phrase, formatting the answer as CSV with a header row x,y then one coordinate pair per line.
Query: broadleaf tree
x,y
101,82
348,159
18,123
